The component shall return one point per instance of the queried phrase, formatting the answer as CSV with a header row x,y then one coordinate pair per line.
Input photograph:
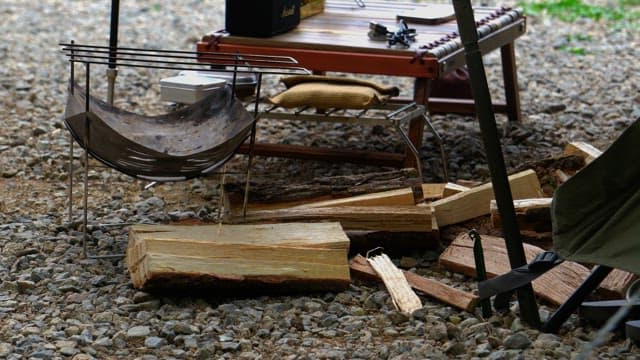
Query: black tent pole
x,y
484,109
112,70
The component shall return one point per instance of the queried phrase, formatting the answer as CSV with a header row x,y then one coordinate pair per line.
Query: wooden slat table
x,y
336,41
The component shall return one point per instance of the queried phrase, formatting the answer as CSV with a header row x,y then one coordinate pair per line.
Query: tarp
x,y
596,213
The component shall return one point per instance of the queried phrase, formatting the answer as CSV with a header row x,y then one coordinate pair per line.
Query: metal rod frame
x,y
157,59
181,60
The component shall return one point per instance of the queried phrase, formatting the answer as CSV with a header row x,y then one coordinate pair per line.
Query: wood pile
x,y
298,236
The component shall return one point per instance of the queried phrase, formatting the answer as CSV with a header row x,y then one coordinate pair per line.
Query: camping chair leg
x,y
598,274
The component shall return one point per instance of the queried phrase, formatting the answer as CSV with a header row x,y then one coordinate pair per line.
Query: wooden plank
x,y
433,191
378,218
554,286
452,189
405,196
475,201
291,257
402,296
582,149
531,214
433,288
618,281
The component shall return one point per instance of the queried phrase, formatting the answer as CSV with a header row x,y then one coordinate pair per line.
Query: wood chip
x,y
403,297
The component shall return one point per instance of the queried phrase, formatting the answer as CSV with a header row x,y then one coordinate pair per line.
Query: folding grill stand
x,y
515,250
165,60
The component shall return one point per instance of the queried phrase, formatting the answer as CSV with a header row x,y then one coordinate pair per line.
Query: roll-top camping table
x,y
337,41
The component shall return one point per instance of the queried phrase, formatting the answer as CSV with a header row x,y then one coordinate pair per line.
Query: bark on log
x,y
270,191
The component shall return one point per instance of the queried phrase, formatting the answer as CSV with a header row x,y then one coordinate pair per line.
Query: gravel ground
x,y
54,304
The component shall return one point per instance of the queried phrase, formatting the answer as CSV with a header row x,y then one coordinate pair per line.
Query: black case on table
x,y
261,18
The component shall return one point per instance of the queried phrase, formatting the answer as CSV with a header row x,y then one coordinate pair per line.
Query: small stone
x,y
483,350
5,349
42,354
25,285
519,340
141,296
103,341
329,320
184,328
438,331
397,317
420,314
138,332
229,346
82,357
69,351
468,322
455,348
154,342
190,342
312,306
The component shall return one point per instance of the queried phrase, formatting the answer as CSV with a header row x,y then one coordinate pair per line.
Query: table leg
x,y
510,75
416,126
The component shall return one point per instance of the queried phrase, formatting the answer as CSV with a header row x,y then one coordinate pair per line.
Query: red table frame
x,y
335,58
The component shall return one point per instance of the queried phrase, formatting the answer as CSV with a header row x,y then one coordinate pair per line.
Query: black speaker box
x,y
261,18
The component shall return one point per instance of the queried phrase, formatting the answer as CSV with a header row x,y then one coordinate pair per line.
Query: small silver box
x,y
188,89
245,82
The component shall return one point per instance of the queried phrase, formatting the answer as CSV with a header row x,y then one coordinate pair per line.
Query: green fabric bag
x,y
596,213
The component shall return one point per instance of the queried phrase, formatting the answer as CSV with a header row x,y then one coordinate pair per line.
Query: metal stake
x,y
252,142
112,71
85,234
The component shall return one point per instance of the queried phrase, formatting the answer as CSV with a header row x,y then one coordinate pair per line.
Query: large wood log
x,y
531,214
442,292
378,218
474,202
278,191
554,286
253,258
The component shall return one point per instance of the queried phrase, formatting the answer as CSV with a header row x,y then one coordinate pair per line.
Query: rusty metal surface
x,y
183,144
